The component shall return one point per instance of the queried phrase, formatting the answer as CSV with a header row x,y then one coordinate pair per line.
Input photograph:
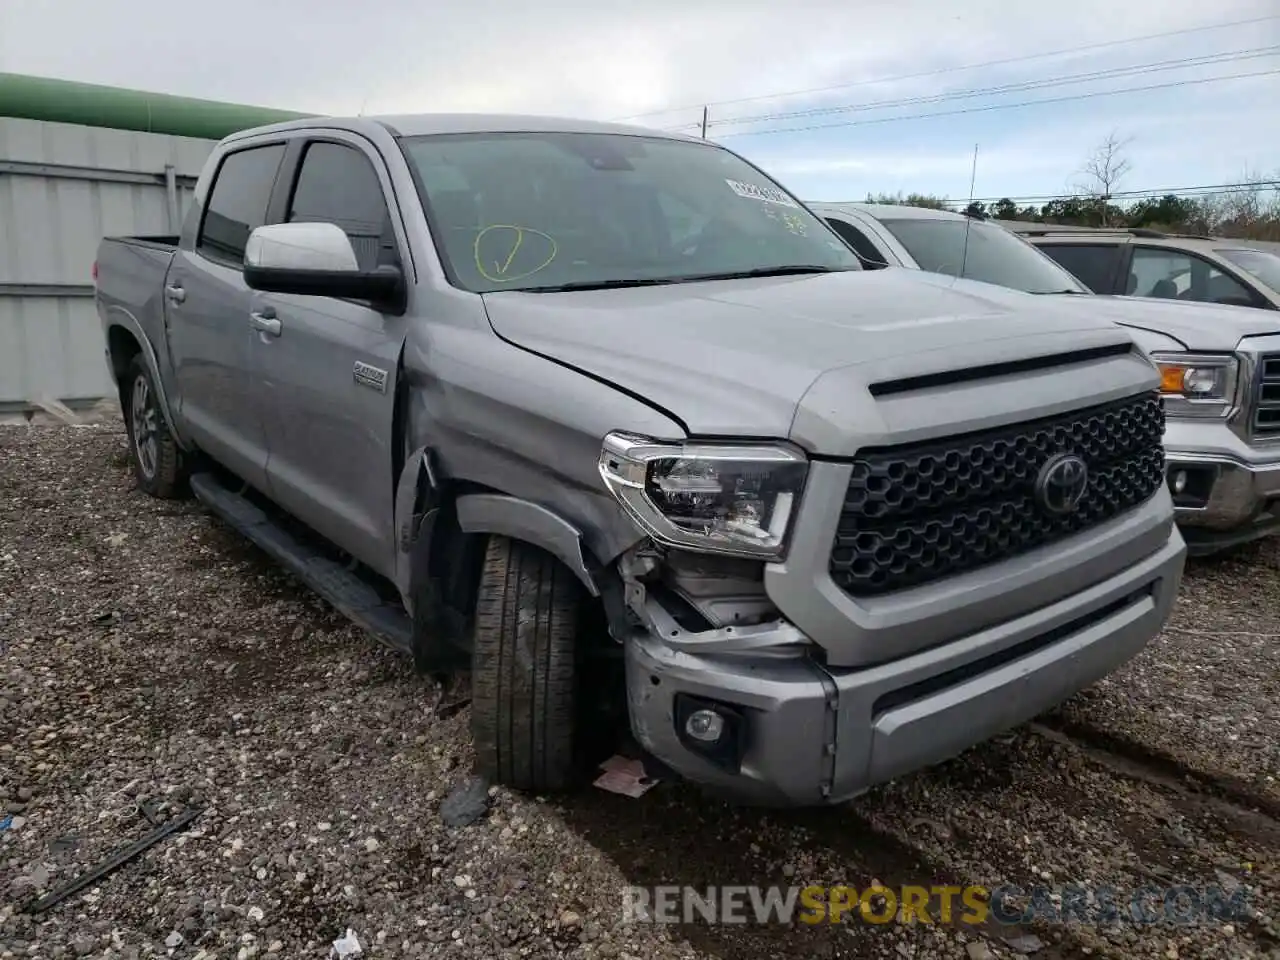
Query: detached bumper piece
x,y
786,731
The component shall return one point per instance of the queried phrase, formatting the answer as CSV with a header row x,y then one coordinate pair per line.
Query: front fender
x,y
531,523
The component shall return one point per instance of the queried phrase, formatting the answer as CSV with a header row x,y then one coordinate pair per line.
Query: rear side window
x,y
238,201
337,184
871,257
1091,264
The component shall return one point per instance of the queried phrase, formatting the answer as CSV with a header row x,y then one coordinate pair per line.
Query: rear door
x,y
1096,265
329,374
207,307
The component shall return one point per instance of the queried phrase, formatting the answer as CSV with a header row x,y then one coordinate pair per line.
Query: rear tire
x,y
523,673
155,455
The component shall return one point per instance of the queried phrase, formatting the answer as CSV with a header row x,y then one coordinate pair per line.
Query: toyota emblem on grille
x,y
1062,483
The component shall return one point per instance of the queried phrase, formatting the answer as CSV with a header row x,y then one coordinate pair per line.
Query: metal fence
x,y
62,188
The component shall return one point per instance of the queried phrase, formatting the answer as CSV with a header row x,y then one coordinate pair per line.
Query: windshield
x,y
526,211
994,255
1263,265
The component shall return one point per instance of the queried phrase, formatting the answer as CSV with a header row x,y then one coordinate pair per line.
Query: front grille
x,y
1266,412
920,512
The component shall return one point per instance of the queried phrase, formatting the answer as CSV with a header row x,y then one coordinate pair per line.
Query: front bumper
x,y
818,735
1232,491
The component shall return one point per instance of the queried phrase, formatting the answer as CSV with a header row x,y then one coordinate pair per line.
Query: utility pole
x,y
704,123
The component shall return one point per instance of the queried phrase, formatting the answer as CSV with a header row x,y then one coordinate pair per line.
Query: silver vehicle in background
x,y
539,398
1220,365
1141,262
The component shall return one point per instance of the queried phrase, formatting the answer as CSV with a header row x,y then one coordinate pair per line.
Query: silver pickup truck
x,y
606,417
1220,365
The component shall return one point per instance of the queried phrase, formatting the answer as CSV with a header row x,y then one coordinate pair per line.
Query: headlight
x,y
707,497
1197,385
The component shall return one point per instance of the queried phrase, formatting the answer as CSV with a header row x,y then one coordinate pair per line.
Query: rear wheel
x,y
523,673
157,460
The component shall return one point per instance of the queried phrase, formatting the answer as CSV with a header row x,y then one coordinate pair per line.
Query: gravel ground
x,y
153,660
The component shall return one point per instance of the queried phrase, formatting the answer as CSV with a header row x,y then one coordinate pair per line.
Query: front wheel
x,y
523,673
157,460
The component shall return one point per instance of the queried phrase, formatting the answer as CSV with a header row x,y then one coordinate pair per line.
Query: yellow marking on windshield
x,y
499,274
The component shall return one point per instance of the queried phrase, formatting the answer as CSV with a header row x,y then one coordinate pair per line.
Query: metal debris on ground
x,y
114,862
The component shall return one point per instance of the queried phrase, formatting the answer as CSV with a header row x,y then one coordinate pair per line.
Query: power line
x,y
1025,58
1022,86
1151,192
984,108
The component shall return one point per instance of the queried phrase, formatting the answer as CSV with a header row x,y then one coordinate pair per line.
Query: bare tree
x,y
1104,169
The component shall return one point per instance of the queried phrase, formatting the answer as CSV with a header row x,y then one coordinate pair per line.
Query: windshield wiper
x,y
1058,293
600,284
791,269
787,270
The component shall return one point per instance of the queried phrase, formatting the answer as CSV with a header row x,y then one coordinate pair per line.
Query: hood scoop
x,y
990,371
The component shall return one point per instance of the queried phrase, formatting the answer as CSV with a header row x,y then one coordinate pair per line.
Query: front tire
x,y
156,458
523,673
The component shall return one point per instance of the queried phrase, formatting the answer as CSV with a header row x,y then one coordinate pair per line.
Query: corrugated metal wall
x,y
62,188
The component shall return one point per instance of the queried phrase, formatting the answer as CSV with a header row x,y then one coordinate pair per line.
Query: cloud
x,y
581,58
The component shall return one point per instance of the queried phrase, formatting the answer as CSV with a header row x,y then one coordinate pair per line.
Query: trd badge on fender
x,y
1062,483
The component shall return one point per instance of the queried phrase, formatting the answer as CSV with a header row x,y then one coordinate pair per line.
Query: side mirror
x,y
315,260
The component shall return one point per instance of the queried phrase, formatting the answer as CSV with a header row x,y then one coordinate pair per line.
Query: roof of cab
x,y
424,124
890,211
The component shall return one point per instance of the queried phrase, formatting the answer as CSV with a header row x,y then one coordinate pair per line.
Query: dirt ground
x,y
152,662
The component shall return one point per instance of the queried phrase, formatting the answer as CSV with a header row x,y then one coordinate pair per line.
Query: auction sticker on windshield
x,y
764,194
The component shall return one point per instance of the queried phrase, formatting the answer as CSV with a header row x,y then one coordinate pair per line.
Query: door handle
x,y
176,293
265,321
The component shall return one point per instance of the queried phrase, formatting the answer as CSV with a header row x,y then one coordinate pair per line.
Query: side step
x,y
341,588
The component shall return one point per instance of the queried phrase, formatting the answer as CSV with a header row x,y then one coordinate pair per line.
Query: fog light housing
x,y
1191,484
705,726
712,730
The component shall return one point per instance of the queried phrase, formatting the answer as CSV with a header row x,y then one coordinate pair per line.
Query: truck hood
x,y
1205,327
736,358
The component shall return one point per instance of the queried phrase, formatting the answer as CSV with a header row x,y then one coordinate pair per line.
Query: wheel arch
x,y
125,340
519,519
424,500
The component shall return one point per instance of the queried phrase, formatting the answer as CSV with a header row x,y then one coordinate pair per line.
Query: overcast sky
x,y
618,60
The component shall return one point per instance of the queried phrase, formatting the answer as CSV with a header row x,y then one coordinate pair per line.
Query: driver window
x,y
337,184
1173,274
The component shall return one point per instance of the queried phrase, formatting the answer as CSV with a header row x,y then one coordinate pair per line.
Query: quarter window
x,y
871,257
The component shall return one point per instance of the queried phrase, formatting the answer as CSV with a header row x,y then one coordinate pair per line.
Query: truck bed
x,y
157,241
130,277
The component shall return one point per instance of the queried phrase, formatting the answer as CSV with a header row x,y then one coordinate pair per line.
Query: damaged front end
x,y
720,687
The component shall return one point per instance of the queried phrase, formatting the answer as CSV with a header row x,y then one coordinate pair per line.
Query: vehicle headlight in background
x,y
1197,385
734,499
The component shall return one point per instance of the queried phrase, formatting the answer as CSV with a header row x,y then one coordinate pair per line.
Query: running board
x,y
337,585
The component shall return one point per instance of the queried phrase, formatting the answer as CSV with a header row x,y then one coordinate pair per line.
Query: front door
x,y
208,306
329,367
